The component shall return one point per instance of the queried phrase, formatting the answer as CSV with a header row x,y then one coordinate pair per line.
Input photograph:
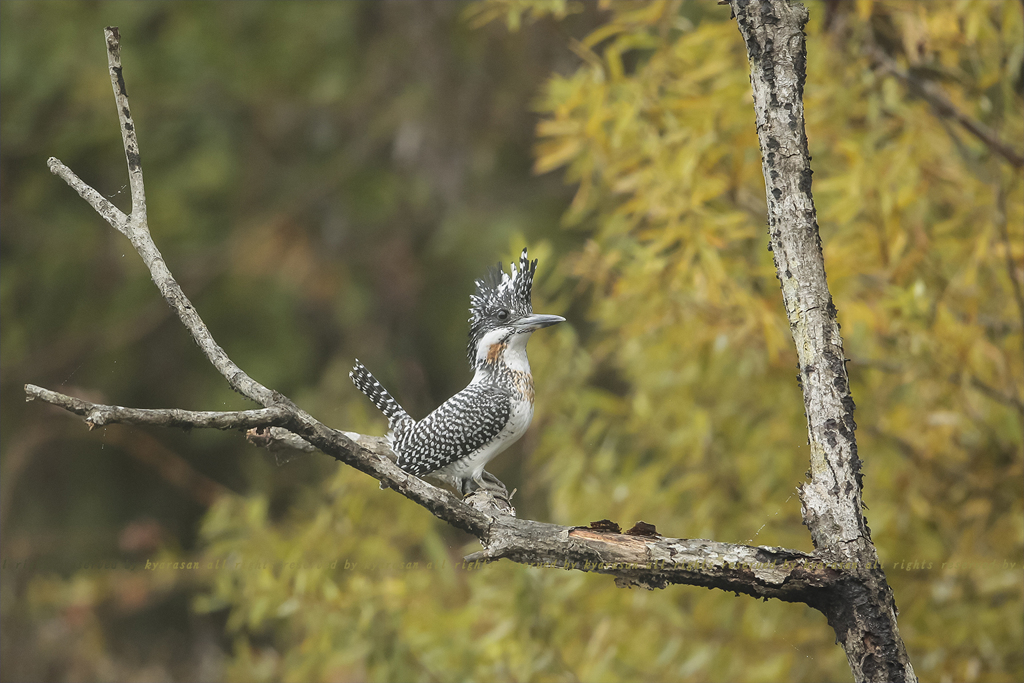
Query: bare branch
x,y
773,33
635,560
98,415
933,95
136,228
124,115
641,558
110,213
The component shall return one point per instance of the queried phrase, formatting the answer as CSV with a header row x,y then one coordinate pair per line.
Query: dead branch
x,y
98,415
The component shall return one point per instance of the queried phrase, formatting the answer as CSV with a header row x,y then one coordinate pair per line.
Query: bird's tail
x,y
369,385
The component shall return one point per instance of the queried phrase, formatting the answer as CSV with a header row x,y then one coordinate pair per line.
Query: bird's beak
x,y
535,321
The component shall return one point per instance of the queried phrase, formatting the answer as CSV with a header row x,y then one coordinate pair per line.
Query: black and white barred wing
x,y
459,427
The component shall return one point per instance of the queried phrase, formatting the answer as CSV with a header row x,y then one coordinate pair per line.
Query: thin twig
x,y
934,95
124,115
110,213
136,228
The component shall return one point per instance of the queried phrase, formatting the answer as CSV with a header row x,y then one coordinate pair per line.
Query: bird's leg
x,y
475,483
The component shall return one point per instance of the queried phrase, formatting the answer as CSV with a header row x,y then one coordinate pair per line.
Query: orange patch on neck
x,y
494,352
524,384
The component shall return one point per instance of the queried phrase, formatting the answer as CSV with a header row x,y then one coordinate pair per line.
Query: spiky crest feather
x,y
496,291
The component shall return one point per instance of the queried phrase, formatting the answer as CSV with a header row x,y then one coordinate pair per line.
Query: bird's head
x,y
501,312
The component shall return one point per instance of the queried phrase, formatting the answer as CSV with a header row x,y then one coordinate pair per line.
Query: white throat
x,y
504,346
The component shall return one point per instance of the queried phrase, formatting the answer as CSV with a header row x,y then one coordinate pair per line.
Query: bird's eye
x,y
502,314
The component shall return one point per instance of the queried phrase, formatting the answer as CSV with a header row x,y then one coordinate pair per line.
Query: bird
x,y
465,432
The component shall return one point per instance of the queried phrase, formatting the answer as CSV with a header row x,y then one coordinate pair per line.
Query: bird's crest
x,y
499,291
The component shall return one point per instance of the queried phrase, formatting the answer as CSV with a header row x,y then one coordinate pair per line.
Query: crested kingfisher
x,y
465,432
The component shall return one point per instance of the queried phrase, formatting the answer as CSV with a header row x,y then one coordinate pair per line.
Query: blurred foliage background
x,y
327,179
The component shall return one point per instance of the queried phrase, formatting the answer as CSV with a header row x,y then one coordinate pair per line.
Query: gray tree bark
x,y
861,607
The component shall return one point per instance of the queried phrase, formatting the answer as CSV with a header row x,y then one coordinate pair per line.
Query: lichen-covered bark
x,y
860,608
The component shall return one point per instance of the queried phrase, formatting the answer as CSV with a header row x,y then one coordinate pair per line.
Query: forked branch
x,y
943,106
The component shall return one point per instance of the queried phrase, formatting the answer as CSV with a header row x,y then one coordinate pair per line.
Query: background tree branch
x,y
943,106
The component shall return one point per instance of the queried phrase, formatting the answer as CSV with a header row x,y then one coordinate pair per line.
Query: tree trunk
x,y
860,607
